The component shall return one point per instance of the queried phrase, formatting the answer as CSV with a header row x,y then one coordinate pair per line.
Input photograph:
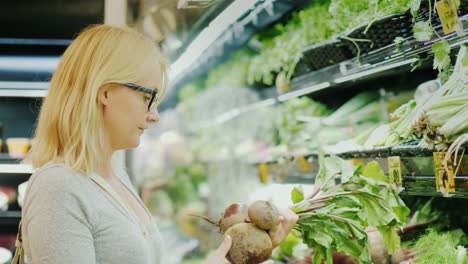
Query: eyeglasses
x,y
153,93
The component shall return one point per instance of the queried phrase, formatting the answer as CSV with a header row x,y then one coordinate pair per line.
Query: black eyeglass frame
x,y
139,88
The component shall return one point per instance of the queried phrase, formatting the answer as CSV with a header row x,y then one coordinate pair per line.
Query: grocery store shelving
x,y
6,159
415,164
15,169
25,75
375,64
9,221
23,89
234,27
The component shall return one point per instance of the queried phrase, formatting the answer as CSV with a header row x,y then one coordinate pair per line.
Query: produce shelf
x,y
261,15
375,64
372,64
416,167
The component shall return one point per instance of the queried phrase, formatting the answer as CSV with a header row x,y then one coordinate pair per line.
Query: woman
x,y
80,206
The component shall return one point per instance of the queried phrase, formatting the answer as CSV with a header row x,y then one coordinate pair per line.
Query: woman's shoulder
x,y
56,175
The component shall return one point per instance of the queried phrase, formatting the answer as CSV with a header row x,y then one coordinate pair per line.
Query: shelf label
x,y
264,176
448,16
304,165
394,170
445,178
356,162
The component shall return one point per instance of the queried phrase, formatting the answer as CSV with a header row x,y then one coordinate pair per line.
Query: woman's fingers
x,y
223,249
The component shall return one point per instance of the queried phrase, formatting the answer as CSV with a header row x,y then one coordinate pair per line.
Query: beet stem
x,y
333,189
316,191
312,208
206,218
413,226
349,193
333,216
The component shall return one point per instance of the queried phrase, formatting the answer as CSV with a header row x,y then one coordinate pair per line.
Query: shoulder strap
x,y
19,253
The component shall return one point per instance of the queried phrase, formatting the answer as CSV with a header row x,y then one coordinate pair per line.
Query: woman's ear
x,y
103,95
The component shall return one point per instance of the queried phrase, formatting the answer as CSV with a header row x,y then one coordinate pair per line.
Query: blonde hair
x,y
70,125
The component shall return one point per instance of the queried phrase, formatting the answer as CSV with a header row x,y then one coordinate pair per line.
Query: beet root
x,y
250,244
378,251
234,214
264,214
226,223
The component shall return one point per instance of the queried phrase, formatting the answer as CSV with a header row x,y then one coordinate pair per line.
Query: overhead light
x,y
304,91
375,70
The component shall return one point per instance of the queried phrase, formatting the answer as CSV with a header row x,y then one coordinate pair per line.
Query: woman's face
x,y
126,115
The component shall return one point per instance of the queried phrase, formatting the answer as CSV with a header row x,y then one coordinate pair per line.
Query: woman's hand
x,y
219,256
287,221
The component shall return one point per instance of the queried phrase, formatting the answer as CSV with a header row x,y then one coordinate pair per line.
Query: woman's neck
x,y
105,167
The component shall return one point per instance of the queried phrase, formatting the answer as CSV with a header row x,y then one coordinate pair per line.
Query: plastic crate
x,y
319,56
381,33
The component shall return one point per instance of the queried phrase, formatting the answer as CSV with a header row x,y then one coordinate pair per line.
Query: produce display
x,y
353,214
334,218
439,118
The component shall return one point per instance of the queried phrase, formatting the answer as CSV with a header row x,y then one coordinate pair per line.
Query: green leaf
x,y
351,247
414,6
325,210
297,195
319,254
422,31
396,203
375,212
373,170
391,239
323,239
333,165
288,245
441,52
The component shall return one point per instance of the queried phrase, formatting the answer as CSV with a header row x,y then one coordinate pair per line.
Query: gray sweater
x,y
68,219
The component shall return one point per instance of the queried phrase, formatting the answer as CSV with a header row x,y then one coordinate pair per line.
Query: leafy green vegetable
x,y
232,72
423,31
440,248
441,52
373,170
414,7
445,115
344,202
297,195
320,22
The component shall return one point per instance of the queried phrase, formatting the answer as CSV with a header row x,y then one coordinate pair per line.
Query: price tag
x,y
448,16
356,162
394,170
304,165
264,176
445,178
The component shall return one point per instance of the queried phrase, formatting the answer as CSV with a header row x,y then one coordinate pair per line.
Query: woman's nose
x,y
153,116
